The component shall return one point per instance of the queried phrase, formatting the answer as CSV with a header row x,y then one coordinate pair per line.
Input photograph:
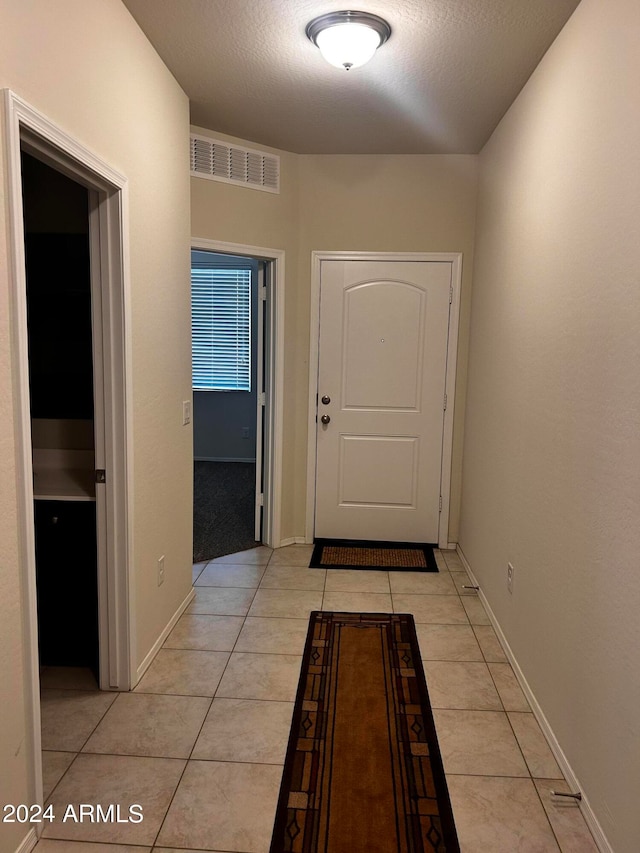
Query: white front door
x,y
381,383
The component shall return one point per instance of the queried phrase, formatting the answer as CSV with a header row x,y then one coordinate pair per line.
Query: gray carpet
x,y
223,508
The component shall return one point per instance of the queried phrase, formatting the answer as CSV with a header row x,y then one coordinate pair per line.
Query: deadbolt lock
x,y
326,400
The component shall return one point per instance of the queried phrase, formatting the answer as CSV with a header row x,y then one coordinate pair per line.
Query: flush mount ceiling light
x,y
348,39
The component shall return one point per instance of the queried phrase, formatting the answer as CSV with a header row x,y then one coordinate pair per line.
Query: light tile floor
x,y
200,743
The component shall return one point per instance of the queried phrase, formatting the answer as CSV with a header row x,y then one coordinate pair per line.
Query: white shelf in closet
x,y
63,475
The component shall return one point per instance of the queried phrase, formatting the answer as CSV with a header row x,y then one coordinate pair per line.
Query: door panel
x,y
382,345
378,470
382,364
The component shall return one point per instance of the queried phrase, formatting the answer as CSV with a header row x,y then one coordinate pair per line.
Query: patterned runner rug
x,y
390,556
363,772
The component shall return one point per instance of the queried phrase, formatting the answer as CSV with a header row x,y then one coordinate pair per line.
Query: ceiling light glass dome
x,y
348,39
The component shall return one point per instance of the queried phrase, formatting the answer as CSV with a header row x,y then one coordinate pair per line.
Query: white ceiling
x,y
439,85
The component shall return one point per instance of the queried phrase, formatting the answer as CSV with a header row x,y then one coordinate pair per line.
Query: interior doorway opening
x,y
272,297
28,131
60,320
228,318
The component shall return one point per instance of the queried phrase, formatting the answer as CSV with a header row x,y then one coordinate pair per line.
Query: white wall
x,y
89,69
552,446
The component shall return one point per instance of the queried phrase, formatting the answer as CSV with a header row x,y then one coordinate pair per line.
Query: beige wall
x,y
89,69
339,203
236,214
388,203
552,447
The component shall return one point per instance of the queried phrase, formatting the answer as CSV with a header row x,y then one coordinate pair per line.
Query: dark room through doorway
x,y
228,402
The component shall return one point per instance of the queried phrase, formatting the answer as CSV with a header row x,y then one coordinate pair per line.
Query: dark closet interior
x,y
60,338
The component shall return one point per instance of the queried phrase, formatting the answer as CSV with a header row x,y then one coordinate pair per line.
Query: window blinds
x,y
221,329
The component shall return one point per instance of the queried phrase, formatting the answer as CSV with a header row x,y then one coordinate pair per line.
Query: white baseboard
x,y
293,540
146,663
572,780
28,843
222,459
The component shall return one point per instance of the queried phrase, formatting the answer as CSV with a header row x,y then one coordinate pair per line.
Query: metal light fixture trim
x,y
332,20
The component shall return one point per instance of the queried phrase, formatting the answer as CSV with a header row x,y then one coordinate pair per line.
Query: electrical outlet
x,y
245,432
510,571
161,571
186,412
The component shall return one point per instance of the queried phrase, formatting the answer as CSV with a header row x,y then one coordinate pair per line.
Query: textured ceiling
x,y
439,85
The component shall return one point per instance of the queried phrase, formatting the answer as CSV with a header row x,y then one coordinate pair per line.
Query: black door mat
x,y
383,556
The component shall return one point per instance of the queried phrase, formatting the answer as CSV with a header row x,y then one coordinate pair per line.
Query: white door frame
x,y
274,368
26,128
455,259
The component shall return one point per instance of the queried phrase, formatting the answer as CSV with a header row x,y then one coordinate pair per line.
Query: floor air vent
x,y
220,161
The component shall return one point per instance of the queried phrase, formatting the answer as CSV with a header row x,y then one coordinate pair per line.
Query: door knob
x,y
326,400
325,419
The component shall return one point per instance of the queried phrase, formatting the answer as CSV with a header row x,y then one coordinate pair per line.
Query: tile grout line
x,y
102,716
529,777
244,622
188,759
156,757
546,814
71,763
494,776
